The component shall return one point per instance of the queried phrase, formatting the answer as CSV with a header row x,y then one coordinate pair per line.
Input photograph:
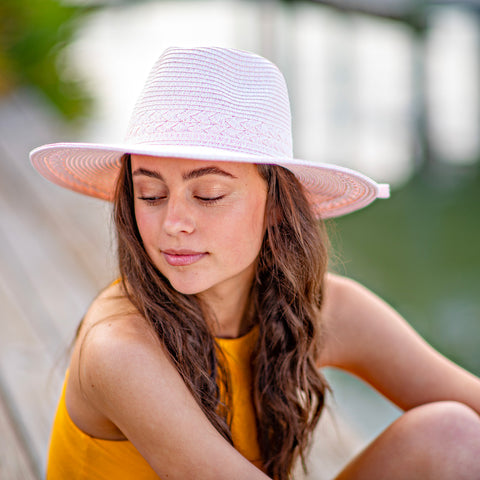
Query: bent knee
x,y
442,420
441,437
439,440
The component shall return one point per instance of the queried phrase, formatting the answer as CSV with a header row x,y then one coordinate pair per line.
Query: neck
x,y
232,311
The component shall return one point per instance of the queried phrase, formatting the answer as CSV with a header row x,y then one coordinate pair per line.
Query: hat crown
x,y
209,104
214,97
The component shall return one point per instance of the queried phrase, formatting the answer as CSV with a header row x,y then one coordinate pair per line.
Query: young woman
x,y
203,360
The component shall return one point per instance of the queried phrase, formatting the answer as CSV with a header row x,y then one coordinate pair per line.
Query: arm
x,y
368,338
127,378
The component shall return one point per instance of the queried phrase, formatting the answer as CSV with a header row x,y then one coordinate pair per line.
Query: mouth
x,y
181,258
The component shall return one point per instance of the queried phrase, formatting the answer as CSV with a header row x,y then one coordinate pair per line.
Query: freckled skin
x,y
173,215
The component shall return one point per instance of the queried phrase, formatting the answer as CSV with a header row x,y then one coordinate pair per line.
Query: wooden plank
x,y
81,223
15,464
53,260
58,245
45,279
24,369
28,388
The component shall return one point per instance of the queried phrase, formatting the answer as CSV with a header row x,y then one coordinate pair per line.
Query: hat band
x,y
209,129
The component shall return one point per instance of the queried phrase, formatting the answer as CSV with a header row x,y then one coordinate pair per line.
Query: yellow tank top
x,y
74,455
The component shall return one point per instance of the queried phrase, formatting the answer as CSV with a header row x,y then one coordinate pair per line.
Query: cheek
x,y
245,235
256,227
257,219
147,227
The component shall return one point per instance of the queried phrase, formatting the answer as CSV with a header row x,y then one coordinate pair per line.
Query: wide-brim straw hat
x,y
212,104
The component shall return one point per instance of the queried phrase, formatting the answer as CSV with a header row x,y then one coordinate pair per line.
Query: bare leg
x,y
437,441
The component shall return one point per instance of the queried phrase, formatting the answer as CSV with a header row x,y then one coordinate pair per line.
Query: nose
x,y
179,217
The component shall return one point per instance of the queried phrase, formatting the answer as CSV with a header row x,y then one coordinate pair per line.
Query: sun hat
x,y
209,104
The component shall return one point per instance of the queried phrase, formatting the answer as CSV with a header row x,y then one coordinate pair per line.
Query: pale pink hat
x,y
209,104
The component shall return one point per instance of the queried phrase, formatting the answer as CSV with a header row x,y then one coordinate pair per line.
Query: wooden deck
x,y
54,251
55,254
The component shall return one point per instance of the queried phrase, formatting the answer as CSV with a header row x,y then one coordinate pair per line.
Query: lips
x,y
181,258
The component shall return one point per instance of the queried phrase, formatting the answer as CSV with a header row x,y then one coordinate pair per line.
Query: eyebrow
x,y
196,173
200,172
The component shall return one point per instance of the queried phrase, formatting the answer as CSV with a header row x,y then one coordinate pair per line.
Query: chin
x,y
187,288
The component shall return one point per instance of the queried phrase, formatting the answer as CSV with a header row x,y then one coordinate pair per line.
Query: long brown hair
x,y
288,391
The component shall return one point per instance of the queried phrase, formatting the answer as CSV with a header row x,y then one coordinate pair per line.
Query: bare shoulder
x,y
341,294
114,344
123,385
353,316
111,304
367,337
112,333
336,286
111,326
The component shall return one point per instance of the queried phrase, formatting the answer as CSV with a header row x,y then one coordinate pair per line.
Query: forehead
x,y
182,166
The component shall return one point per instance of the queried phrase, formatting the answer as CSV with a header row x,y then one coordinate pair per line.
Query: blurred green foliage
x,y
32,36
420,251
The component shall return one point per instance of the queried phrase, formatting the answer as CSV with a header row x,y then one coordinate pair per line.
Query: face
x,y
202,223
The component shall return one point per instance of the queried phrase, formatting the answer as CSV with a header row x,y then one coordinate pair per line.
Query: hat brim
x,y
92,169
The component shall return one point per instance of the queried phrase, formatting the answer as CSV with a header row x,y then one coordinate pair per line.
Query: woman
x,y
203,360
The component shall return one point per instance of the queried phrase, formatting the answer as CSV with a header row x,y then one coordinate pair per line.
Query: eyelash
x,y
204,200
210,201
151,200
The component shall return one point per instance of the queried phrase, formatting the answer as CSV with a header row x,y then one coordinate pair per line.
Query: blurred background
x,y
388,87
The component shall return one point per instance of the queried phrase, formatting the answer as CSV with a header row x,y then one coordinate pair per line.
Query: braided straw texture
x,y
209,104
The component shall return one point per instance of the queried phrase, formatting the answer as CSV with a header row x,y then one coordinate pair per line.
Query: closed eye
x,y
152,200
209,200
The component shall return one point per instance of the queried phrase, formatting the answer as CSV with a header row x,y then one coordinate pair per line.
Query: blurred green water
x,y
419,250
